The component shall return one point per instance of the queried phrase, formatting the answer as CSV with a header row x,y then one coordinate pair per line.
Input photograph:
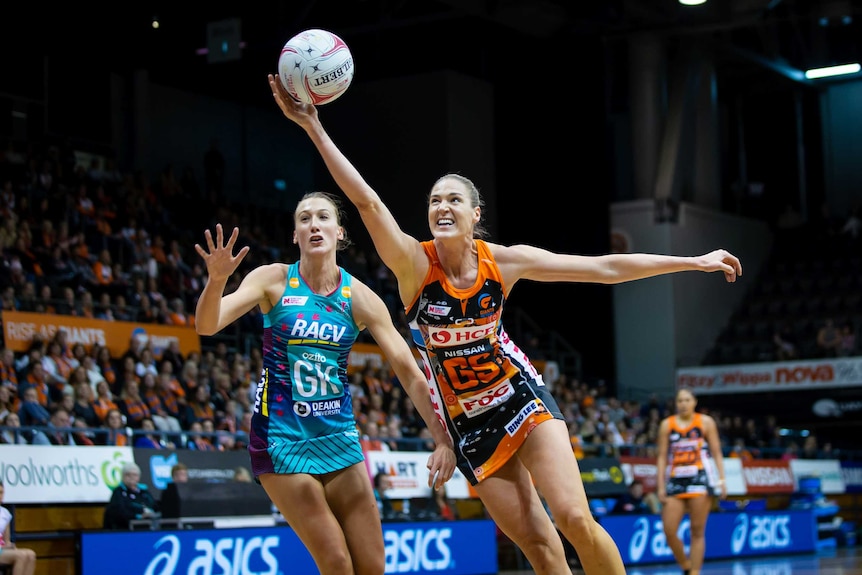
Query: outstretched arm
x,y
215,311
370,311
397,249
528,262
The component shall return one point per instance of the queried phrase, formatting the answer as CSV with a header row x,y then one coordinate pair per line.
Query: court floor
x,y
841,561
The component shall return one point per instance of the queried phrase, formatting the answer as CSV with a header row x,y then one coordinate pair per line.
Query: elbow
x,y
203,330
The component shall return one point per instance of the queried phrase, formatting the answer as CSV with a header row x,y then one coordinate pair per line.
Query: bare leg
x,y
342,540
514,504
672,513
698,509
23,561
351,498
548,456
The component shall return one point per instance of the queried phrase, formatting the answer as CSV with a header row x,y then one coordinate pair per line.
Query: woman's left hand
x,y
441,466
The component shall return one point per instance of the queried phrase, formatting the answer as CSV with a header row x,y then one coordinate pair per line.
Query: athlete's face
x,y
685,403
316,226
450,212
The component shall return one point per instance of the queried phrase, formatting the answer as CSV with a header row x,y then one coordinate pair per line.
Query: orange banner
x,y
20,327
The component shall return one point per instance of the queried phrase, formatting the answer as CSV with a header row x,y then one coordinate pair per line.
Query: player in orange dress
x,y
689,473
509,434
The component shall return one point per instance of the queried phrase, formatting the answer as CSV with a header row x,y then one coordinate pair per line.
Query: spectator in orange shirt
x,y
178,315
8,373
739,450
103,269
198,441
201,404
104,401
106,365
36,379
116,429
576,440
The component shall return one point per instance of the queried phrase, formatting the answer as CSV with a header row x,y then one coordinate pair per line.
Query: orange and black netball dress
x,y
483,386
689,472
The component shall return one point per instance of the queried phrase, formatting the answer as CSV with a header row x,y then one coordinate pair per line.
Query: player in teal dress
x,y
304,443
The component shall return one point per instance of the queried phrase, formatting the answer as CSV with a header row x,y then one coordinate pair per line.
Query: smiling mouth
x,y
445,222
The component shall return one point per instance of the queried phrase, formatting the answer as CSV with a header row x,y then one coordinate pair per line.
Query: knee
x,y
697,530
371,566
29,555
576,523
335,561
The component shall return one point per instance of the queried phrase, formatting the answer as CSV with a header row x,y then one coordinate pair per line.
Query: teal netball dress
x,y
303,412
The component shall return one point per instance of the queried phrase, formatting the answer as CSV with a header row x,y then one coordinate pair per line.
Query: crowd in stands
x,y
807,301
94,242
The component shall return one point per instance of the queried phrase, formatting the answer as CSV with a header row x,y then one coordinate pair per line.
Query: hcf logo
x,y
225,556
460,335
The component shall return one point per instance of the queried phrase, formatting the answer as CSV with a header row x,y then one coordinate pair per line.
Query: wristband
x,y
720,482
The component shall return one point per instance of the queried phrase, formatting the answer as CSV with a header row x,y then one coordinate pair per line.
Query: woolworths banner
x,y
49,474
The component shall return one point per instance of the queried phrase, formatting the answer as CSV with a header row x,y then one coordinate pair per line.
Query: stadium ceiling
x,y
399,37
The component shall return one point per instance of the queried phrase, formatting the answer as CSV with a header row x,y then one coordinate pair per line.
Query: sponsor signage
x,y
851,471
733,476
20,327
427,548
640,468
827,470
641,538
408,474
767,476
602,476
775,376
204,466
58,474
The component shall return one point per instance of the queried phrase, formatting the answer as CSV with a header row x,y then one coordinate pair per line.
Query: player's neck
x,y
685,419
459,260
322,278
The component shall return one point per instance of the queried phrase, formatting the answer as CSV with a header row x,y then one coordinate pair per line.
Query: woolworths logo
x,y
69,473
112,470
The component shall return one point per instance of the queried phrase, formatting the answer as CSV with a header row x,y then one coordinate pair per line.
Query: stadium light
x,y
841,70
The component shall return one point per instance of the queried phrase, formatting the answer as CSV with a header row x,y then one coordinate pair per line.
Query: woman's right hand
x,y
219,258
302,114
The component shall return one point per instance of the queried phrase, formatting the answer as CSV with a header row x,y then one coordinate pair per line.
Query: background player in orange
x,y
690,467
509,434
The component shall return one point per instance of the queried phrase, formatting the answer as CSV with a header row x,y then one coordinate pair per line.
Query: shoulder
x,y
499,251
362,296
266,275
276,269
707,420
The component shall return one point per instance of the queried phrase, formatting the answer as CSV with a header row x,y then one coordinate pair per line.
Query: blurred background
x,y
572,119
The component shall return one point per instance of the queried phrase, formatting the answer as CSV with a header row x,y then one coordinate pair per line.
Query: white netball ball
x,y
315,66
